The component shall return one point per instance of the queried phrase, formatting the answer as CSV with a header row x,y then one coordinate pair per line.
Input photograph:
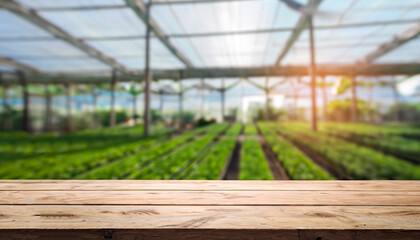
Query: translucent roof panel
x,y
40,48
97,23
35,4
130,53
233,50
208,33
346,45
224,16
362,11
4,68
408,53
12,26
66,65
343,45
50,55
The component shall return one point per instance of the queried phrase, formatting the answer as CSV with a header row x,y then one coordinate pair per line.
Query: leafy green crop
x,y
65,166
234,130
213,164
376,137
253,163
296,164
167,167
360,162
250,129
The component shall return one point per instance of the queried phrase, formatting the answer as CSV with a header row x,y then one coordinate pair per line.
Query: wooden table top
x,y
257,208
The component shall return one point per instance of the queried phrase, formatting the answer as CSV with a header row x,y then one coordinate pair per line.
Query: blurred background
x,y
197,89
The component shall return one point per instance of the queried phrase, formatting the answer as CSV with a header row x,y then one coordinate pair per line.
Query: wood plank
x,y
338,198
182,185
210,217
358,234
209,234
149,234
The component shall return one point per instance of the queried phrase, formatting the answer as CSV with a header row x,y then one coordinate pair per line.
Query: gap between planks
x,y
215,198
199,185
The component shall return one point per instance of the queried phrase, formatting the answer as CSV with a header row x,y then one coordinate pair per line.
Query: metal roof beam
x,y
81,8
140,9
197,73
34,18
300,26
385,48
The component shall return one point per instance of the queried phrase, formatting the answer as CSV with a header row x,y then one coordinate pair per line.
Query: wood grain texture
x,y
298,210
209,217
212,198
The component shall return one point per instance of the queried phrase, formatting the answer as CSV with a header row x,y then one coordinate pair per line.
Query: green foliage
x,y
344,85
212,165
131,164
360,162
187,117
250,129
234,130
50,156
253,163
15,116
104,117
387,139
171,165
156,115
88,120
274,114
135,90
166,167
52,89
339,110
122,152
296,164
405,112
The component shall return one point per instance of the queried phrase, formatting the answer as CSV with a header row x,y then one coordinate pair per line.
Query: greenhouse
x,y
211,90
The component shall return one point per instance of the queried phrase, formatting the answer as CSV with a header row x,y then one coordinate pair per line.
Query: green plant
x,y
360,162
187,117
212,165
296,164
234,130
131,164
382,138
167,167
253,163
250,129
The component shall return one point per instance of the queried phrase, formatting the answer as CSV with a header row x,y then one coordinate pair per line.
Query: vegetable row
x,y
355,160
297,165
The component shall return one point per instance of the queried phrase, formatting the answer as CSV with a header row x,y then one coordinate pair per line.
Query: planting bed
x,y
263,150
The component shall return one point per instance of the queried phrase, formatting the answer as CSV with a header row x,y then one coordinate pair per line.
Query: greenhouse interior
x,y
210,90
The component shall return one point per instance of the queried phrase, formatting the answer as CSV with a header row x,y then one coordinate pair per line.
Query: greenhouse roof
x,y
85,40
